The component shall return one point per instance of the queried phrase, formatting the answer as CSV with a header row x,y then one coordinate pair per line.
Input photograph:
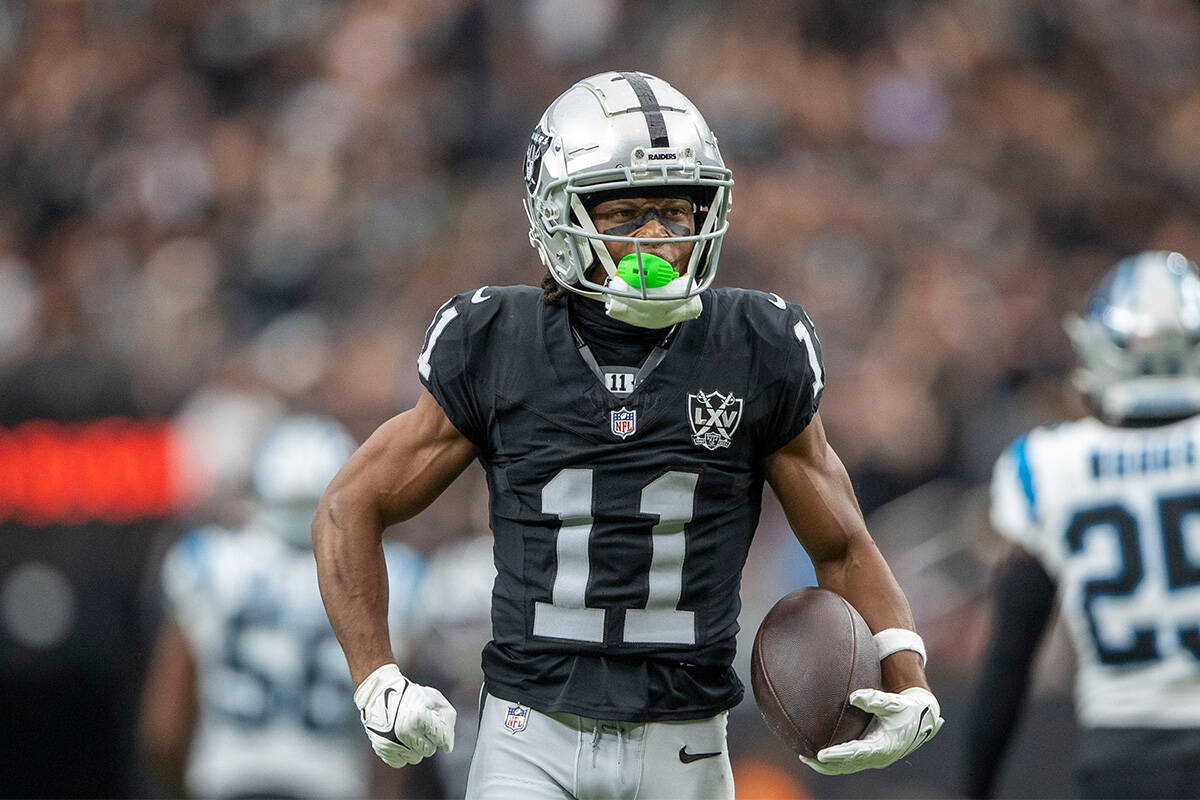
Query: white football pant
x,y
522,754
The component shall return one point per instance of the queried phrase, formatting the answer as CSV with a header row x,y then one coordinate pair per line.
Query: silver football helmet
x,y
622,131
1138,342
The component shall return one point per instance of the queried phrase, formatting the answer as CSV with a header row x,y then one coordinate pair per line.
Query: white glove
x,y
903,722
405,721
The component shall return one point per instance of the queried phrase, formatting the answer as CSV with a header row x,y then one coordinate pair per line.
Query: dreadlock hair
x,y
552,290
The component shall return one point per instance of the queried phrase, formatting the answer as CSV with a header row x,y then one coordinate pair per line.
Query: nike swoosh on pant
x,y
688,758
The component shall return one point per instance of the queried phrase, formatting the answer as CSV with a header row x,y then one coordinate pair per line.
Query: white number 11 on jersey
x,y
669,497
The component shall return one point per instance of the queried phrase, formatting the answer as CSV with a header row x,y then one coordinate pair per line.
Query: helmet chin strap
x,y
653,313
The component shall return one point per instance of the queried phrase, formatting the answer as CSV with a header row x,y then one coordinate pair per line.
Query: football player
x,y
246,693
627,415
1104,512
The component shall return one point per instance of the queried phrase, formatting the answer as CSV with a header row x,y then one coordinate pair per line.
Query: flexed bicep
x,y
407,462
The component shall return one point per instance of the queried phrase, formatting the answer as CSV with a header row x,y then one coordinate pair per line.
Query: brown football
x,y
811,651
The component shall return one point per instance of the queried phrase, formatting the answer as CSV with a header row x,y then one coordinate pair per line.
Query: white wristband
x,y
893,640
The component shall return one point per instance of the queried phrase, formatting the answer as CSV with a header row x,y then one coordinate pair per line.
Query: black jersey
x,y
621,522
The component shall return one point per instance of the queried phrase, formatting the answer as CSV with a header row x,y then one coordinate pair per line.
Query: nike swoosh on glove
x,y
405,721
903,722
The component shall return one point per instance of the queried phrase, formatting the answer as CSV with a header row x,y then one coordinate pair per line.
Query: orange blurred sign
x,y
113,470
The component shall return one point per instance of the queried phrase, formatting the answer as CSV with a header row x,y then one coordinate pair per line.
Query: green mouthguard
x,y
658,271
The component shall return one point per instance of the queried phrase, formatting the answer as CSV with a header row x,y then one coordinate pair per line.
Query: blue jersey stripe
x,y
1025,474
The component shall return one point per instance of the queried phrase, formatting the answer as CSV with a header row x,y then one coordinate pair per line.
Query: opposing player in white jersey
x,y
1105,511
246,695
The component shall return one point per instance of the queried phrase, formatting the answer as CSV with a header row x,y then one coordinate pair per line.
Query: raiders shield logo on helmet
x,y
539,143
713,417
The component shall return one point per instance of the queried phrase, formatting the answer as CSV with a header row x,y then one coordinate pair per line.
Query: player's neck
x,y
589,318
613,341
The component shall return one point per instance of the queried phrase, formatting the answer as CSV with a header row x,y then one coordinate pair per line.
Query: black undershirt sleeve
x,y
1023,598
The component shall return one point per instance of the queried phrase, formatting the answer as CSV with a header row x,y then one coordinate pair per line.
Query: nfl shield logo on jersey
x,y
516,718
713,417
624,421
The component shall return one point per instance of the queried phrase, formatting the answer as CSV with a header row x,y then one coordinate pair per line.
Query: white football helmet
x,y
622,131
1138,342
297,459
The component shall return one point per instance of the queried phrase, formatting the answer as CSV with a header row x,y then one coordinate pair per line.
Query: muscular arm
x,y
397,472
1023,598
818,499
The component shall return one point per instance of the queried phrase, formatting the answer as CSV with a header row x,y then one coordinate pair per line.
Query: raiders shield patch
x,y
713,417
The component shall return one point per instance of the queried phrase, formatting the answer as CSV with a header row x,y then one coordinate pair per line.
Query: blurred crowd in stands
x,y
248,206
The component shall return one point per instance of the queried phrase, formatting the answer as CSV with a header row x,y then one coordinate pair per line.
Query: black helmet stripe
x,y
650,107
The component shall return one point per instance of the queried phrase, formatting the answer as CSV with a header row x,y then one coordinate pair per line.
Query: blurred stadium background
x,y
214,211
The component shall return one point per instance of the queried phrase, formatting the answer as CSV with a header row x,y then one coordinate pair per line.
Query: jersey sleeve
x,y
802,380
1014,498
443,368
